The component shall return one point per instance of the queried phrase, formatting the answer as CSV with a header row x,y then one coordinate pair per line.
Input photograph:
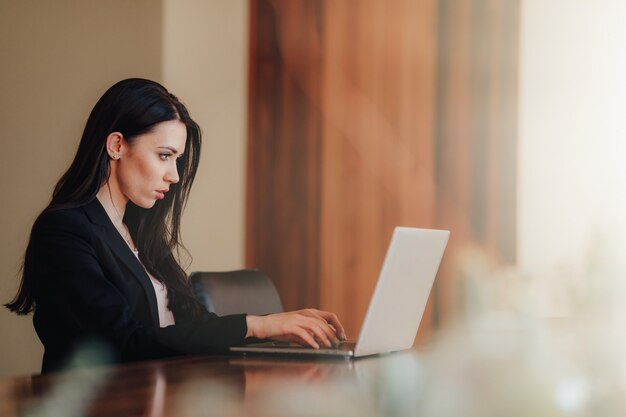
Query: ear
x,y
115,145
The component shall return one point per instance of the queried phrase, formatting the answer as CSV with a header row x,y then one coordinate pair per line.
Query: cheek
x,y
147,170
138,175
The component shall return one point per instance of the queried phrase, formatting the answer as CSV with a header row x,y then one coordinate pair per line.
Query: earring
x,y
116,157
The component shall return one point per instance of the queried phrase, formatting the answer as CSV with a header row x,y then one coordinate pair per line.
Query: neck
x,y
113,201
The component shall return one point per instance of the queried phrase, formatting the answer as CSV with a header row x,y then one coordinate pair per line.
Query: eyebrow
x,y
169,148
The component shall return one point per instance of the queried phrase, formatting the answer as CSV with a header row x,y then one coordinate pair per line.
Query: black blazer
x,y
89,284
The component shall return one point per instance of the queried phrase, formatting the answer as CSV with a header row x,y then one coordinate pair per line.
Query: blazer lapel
x,y
120,248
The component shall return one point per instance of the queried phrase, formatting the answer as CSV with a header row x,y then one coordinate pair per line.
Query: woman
x,y
100,263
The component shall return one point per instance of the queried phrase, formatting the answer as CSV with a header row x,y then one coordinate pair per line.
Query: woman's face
x,y
147,168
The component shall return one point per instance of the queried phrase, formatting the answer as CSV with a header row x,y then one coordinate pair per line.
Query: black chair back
x,y
240,291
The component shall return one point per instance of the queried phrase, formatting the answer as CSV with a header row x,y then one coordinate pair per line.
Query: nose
x,y
171,175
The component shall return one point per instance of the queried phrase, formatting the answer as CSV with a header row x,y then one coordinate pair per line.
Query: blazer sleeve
x,y
72,280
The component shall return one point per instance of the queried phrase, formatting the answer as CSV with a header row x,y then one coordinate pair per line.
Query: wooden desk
x,y
220,386
471,372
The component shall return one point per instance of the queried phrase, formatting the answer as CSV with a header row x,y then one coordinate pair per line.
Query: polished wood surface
x,y
202,386
500,363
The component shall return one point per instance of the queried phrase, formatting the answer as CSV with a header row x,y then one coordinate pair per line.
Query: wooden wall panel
x,y
476,133
365,115
377,146
284,148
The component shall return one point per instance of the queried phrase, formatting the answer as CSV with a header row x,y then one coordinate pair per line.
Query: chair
x,y
240,291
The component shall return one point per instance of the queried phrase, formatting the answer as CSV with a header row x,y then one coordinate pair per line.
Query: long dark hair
x,y
132,107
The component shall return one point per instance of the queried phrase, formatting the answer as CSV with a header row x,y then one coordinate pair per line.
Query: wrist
x,y
253,324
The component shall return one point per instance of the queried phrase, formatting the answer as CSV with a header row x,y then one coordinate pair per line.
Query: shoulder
x,y
64,235
62,217
65,221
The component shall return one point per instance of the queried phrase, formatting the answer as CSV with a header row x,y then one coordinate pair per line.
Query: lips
x,y
160,194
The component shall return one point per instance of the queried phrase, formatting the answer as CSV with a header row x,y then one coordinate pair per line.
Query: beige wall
x,y
205,63
57,58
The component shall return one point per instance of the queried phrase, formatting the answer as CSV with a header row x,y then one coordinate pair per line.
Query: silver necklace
x,y
123,229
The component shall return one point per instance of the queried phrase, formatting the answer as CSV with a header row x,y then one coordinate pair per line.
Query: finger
x,y
321,331
330,331
306,337
332,319
336,335
325,317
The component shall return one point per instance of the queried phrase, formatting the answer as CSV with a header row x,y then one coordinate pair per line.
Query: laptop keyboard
x,y
346,346
343,346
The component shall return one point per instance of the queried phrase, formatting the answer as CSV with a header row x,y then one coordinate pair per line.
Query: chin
x,y
145,204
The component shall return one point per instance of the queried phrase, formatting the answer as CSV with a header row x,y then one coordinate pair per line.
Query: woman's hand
x,y
308,327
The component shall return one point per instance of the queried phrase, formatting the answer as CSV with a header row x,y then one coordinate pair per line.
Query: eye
x,y
165,156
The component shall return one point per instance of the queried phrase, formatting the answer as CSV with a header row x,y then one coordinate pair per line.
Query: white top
x,y
166,317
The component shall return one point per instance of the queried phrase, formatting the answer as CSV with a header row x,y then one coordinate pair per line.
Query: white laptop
x,y
396,308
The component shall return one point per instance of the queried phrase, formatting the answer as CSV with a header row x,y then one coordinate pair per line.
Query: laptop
x,y
397,305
